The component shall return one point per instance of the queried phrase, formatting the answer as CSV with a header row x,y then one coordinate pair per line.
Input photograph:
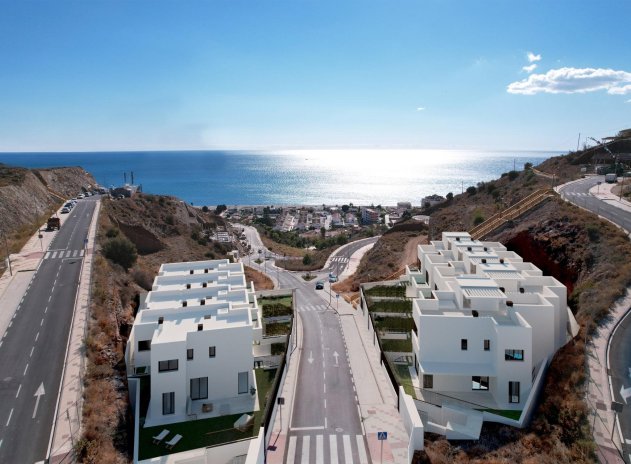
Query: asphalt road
x,y
620,348
32,351
325,424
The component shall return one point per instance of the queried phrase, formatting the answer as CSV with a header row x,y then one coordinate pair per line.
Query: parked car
x,y
68,205
319,285
64,210
81,196
332,277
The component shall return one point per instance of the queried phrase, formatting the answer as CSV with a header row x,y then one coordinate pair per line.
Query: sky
x,y
94,75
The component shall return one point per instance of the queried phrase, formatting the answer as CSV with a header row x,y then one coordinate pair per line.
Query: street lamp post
x,y
6,245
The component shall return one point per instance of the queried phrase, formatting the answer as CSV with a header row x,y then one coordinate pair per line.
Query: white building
x,y
193,334
486,322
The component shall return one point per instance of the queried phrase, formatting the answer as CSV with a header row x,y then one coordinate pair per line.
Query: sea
x,y
296,177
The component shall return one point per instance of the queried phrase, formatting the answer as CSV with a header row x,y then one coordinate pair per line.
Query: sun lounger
x,y
173,441
161,436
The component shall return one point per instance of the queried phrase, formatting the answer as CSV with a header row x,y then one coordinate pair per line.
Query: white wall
x,y
412,422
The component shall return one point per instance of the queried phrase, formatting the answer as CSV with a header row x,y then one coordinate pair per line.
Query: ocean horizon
x,y
291,177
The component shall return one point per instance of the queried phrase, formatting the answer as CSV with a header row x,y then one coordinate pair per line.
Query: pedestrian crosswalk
x,y
577,194
64,254
318,449
339,259
306,308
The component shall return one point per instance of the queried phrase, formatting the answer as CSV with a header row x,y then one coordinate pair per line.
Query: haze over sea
x,y
310,177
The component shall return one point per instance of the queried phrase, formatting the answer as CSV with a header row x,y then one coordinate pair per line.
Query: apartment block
x,y
193,335
486,321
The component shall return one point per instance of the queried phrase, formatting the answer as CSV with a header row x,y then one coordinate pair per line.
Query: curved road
x,y
619,348
325,422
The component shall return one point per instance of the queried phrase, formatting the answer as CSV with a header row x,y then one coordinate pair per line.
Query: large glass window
x,y
243,382
463,344
428,381
514,355
199,388
479,383
168,403
169,365
513,392
189,353
212,351
487,345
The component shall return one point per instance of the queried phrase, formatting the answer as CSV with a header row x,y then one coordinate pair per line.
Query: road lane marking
x,y
333,449
1,343
302,429
305,448
348,452
324,403
291,450
326,425
37,336
49,298
31,355
41,322
19,388
9,419
319,449
363,459
324,388
45,309
25,369
10,324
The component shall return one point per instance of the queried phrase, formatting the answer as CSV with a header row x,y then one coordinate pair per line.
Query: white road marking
x,y
324,375
333,448
348,452
31,355
302,429
49,298
363,459
47,255
1,343
324,388
41,322
305,449
9,419
291,450
37,336
319,449
326,422
324,403
25,369
19,388
45,309
10,324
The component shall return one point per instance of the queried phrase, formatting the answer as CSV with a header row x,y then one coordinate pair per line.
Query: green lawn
x,y
272,300
394,324
509,413
277,328
402,373
386,290
397,345
390,306
207,432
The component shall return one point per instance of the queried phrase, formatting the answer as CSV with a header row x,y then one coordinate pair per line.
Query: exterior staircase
x,y
512,212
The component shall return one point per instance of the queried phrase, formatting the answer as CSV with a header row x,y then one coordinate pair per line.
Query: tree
x,y
205,209
527,166
121,251
450,196
322,232
345,208
220,209
471,190
512,175
307,259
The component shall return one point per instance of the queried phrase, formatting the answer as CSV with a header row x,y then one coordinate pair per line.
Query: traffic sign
x,y
280,400
382,435
337,295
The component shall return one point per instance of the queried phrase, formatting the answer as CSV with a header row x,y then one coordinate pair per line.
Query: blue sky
x,y
259,74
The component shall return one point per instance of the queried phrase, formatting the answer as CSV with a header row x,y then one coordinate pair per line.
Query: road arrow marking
x,y
336,355
625,393
40,391
310,359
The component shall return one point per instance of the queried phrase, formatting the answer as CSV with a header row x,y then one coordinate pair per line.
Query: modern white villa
x,y
486,322
194,334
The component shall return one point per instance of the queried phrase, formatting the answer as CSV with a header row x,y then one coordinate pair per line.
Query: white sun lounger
x,y
173,441
161,436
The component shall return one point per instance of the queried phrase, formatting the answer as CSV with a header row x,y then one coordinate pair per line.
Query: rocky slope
x,y
27,196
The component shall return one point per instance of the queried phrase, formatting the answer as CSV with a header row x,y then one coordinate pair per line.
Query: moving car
x,y
332,277
319,285
64,210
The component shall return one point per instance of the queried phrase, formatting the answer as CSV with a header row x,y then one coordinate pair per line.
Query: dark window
x,y
212,351
479,383
487,345
513,355
463,344
189,353
170,365
199,388
513,392
428,381
243,382
168,403
144,345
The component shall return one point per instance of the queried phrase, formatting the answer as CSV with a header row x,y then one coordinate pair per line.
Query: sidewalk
x,y
598,395
375,393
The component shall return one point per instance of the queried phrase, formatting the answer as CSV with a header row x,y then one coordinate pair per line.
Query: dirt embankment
x,y
29,196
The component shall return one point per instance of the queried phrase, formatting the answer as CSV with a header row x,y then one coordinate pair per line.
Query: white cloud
x,y
530,68
574,80
532,57
629,100
420,108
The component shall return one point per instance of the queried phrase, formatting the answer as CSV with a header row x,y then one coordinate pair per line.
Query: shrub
x,y
169,219
205,209
512,175
121,251
472,190
478,219
112,232
142,278
307,259
449,196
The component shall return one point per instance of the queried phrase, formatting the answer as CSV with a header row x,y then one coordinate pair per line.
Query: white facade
x,y
485,320
194,333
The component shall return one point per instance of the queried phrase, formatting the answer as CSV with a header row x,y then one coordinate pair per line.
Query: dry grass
x,y
260,280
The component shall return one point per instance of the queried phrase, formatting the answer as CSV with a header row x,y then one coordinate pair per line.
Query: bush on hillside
x,y
121,251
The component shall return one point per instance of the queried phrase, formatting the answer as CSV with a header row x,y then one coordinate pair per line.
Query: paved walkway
x,y
376,396
602,418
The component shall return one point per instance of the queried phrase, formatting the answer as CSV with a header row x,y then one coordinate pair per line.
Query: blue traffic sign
x,y
382,435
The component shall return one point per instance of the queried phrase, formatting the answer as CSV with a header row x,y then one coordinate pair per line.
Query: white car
x,y
81,196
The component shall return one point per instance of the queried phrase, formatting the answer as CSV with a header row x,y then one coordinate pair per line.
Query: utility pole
x,y
579,141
